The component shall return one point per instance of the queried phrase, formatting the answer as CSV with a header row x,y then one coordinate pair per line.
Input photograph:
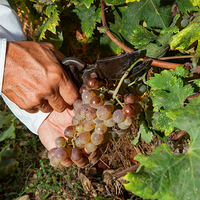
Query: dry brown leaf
x,y
87,185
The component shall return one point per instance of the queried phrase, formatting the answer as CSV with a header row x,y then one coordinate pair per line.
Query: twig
x,y
156,63
124,172
176,57
108,32
104,163
179,135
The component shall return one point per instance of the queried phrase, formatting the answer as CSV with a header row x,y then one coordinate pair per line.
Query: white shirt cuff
x,y
3,43
31,120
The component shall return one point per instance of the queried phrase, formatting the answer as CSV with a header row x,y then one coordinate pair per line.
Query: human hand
x,y
34,79
53,126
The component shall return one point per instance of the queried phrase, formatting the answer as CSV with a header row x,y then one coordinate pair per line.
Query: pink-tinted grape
x,y
118,116
128,121
84,137
97,138
123,126
77,104
110,105
100,128
78,144
75,121
90,113
97,121
60,142
54,162
70,131
83,88
79,115
92,83
128,110
51,153
90,147
61,154
88,125
103,112
109,122
129,99
87,96
76,154
96,102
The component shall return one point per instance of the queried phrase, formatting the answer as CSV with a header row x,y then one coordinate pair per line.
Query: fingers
x,y
67,163
83,162
57,103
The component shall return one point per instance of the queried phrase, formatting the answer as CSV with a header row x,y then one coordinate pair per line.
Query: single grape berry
x,y
70,131
76,154
51,153
82,89
60,142
129,99
128,110
61,154
92,83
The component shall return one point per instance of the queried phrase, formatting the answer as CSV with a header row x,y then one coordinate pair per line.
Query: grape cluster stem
x,y
122,79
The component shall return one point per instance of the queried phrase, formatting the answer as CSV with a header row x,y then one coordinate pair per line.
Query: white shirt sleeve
x,y
11,30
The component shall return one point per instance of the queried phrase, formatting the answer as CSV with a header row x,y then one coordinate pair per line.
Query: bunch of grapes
x,y
98,118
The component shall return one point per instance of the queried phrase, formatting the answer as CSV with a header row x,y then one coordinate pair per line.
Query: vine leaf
x,y
118,2
50,24
89,18
150,11
186,37
195,2
167,176
168,92
87,3
155,46
186,6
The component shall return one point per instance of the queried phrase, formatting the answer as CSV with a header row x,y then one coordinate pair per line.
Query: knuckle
x,y
49,45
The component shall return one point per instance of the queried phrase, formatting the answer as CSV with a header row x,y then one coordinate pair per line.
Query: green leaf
x,y
146,134
186,37
8,133
141,37
185,6
165,175
88,17
11,153
136,140
152,12
162,123
7,167
87,3
50,24
6,119
168,92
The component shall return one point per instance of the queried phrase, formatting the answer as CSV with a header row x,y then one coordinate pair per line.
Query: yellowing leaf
x,y
188,36
195,2
51,23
